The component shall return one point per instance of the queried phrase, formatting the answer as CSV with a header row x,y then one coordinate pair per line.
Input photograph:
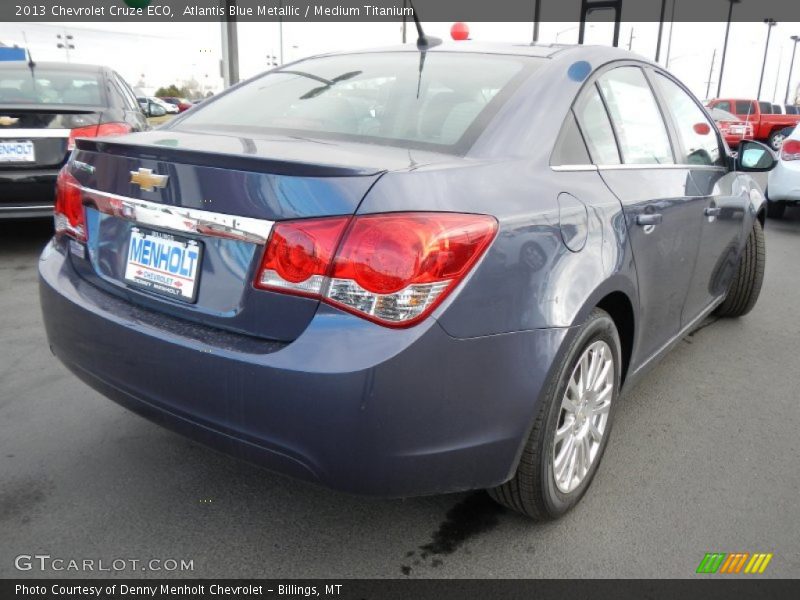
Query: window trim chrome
x,y
178,218
637,166
573,167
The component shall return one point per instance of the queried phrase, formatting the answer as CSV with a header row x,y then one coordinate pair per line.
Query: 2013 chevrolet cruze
x,y
398,273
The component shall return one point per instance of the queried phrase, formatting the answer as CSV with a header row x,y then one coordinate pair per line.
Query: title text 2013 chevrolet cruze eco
x,y
398,273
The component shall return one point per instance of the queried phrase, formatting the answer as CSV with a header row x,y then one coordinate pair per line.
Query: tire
x,y
776,139
533,490
746,284
775,210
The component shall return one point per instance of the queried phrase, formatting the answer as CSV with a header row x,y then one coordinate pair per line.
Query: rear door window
x,y
744,107
570,148
766,108
596,127
639,126
697,133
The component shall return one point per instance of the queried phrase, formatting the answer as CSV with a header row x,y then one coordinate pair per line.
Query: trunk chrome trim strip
x,y
29,207
16,134
178,218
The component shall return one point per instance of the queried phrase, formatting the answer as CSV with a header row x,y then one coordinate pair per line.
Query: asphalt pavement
x,y
704,457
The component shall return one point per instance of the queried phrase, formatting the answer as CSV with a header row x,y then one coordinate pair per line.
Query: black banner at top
x,y
388,10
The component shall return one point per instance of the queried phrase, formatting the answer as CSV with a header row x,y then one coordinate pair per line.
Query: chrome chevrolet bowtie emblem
x,y
147,180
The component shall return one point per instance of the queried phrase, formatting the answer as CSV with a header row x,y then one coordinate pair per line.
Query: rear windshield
x,y
376,98
21,85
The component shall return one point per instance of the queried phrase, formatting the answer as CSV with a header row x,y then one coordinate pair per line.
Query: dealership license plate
x,y
11,152
736,129
164,263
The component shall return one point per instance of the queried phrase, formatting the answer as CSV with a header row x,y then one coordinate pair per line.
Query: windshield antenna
x,y
31,64
424,43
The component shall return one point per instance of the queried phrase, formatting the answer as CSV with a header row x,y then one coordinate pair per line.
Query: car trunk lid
x,y
208,202
37,137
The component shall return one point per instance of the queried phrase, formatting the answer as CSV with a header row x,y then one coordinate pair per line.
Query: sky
x,y
156,54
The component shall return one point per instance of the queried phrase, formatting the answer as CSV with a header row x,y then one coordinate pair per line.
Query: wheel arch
x,y
617,296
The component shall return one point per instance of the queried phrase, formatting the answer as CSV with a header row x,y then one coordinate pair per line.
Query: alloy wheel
x,y
583,418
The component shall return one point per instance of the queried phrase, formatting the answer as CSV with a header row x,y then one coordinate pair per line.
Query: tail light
x,y
393,269
97,131
299,254
790,150
69,215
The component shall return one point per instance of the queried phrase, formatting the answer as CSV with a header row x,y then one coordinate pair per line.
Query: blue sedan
x,y
402,273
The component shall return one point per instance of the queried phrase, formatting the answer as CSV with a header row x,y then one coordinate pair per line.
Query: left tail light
x,y
97,131
790,150
392,269
69,214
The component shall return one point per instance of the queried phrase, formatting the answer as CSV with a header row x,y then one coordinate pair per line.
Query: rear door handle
x,y
713,211
649,219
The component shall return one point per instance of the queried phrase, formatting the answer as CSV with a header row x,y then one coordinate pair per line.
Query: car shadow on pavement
x,y
24,237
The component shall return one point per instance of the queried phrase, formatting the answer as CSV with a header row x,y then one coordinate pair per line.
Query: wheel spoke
x,y
565,429
585,406
595,432
563,459
573,459
602,376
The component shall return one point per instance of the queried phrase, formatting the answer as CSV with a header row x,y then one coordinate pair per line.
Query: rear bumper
x,y
784,182
348,404
27,194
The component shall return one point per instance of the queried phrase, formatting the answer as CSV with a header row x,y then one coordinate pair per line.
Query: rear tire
x,y
775,210
745,288
541,488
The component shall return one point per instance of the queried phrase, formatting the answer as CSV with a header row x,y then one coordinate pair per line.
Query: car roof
x,y
535,50
52,66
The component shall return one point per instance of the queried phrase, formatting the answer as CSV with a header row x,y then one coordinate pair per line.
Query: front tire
x,y
571,431
745,288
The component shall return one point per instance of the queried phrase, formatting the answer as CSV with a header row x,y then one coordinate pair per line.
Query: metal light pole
x,y
770,23
795,39
660,28
65,43
280,32
725,45
230,47
777,74
711,72
536,14
671,27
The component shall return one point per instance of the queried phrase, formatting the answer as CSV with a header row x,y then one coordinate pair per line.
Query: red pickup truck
x,y
767,126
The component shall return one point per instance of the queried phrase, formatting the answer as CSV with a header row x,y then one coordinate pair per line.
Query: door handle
x,y
649,219
713,211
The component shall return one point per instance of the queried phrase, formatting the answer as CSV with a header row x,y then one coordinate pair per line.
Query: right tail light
x,y
790,150
69,216
99,130
393,269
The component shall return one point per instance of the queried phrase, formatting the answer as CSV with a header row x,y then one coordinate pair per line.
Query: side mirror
x,y
155,110
754,157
